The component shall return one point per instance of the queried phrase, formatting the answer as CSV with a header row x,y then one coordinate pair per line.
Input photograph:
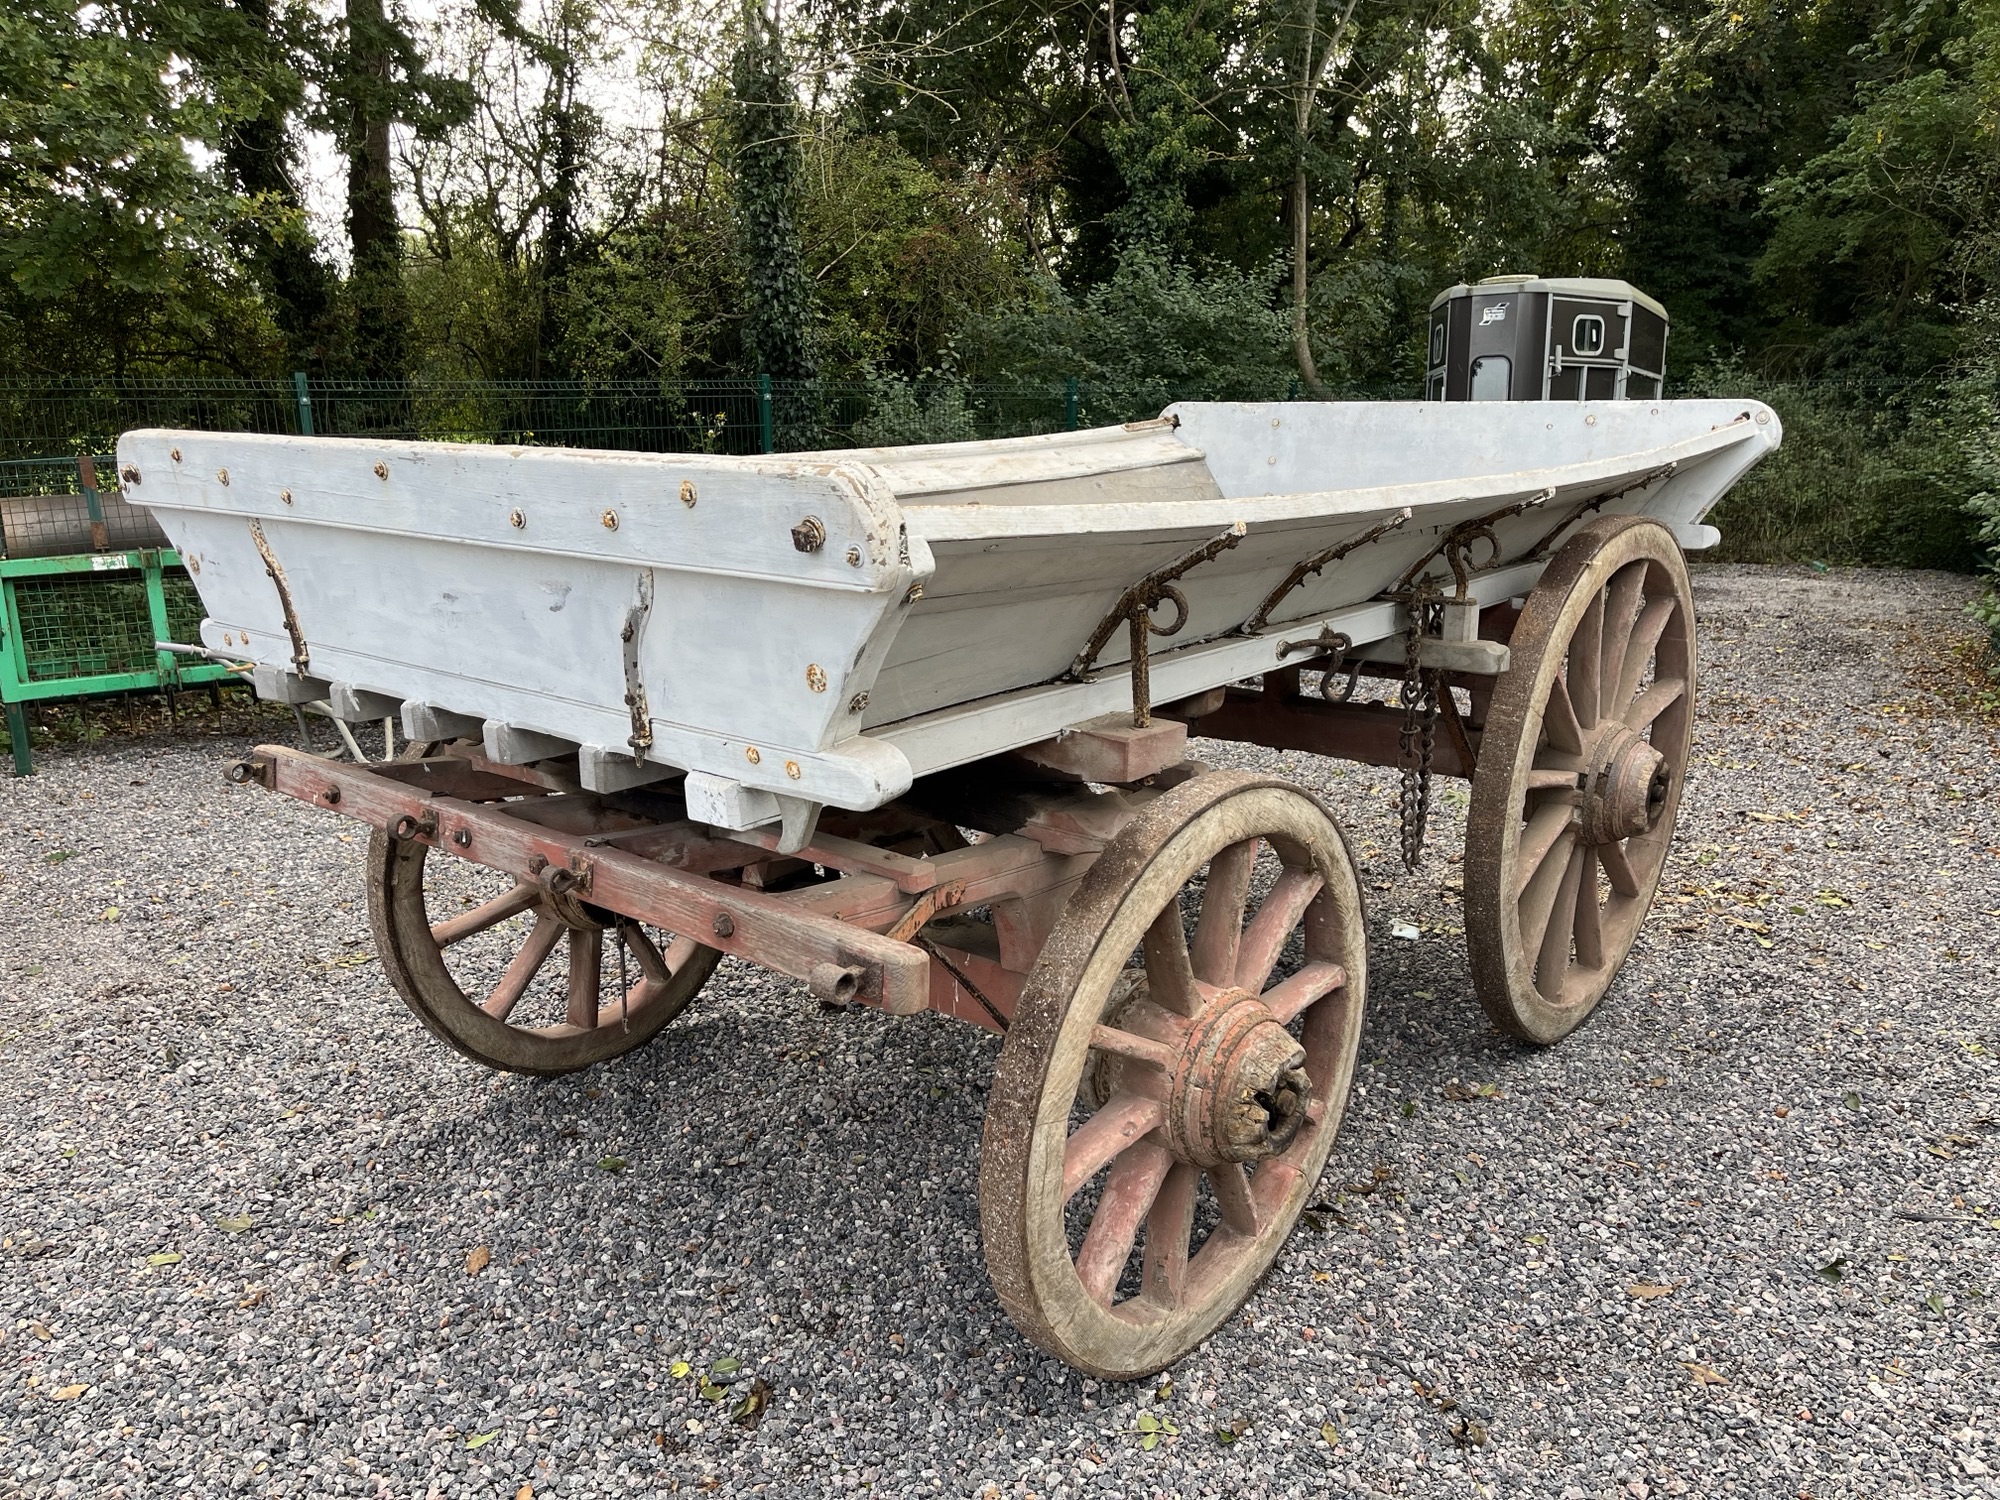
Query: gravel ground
x,y
1740,1235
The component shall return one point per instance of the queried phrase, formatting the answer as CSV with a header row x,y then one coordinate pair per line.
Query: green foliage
x,y
765,129
907,253
112,234
1156,332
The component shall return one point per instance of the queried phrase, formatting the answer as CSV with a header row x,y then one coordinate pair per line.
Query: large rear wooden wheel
x,y
1175,1074
516,978
1579,777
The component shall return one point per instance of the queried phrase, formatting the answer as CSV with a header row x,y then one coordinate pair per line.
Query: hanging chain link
x,y
1421,687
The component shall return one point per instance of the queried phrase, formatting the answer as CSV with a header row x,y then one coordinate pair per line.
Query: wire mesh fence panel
x,y
82,625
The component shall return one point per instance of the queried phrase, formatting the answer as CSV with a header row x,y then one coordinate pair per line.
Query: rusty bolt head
x,y
752,754
286,496
174,454
332,796
854,557
222,476
816,677
516,519
916,592
609,520
462,837
724,925
687,493
792,770
192,564
858,703
809,535
381,471
130,473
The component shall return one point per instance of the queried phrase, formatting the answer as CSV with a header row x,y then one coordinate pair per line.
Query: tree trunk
x,y
380,342
1301,333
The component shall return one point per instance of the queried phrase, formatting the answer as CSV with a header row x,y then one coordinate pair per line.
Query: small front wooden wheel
x,y
1175,1074
470,950
1579,778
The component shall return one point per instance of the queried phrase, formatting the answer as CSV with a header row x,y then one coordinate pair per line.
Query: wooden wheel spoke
x,y
1652,624
1559,720
650,962
1234,1198
586,969
1656,700
1538,837
525,966
1587,927
1169,972
1618,869
1169,1231
1290,997
1219,931
1551,779
1621,609
1128,1044
1586,665
1104,1135
1129,1194
1264,939
1538,892
486,914
1552,960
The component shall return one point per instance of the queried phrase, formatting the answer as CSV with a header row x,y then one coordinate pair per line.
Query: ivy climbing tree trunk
x,y
764,139
380,312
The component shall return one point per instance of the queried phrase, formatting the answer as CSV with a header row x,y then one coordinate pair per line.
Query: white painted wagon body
x,y
946,594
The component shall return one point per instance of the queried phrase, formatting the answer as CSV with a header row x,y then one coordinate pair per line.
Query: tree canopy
x,y
1167,196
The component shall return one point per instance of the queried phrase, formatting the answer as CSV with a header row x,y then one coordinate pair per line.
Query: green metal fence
x,y
755,415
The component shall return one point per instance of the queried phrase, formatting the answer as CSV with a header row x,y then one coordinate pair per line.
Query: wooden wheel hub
x,y
1626,787
1239,1091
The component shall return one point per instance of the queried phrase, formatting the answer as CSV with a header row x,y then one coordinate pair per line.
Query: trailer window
x,y
1586,334
1437,342
1491,377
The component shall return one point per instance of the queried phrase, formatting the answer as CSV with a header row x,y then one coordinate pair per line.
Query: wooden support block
x,y
275,686
512,745
722,802
355,705
426,722
1112,750
1482,658
605,770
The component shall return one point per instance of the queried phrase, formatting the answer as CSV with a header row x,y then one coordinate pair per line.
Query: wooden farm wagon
x,y
910,725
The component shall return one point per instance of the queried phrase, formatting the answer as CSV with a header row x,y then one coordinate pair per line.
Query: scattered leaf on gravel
x,y
1646,1289
1331,1433
1464,1092
57,856
750,1410
41,1331
1151,1429
478,1260
164,1258
236,1225
68,1393
729,1364
679,1369
525,1492
481,1439
1851,1099
1702,1374
610,1163
1834,1269
1165,1392
1935,1303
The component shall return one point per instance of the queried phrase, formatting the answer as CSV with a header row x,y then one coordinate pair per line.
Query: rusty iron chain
x,y
1418,741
